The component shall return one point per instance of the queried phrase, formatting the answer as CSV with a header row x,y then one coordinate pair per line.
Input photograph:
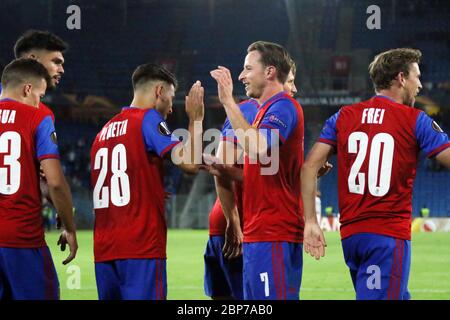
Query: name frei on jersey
x,y
378,143
127,177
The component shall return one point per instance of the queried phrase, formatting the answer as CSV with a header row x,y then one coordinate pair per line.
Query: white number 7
x,y
265,278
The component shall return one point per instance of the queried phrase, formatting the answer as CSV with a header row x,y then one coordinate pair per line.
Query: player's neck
x,y
10,96
391,94
269,92
142,103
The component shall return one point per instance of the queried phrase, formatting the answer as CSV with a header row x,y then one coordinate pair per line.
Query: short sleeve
x,y
430,137
249,109
282,117
45,140
328,133
157,136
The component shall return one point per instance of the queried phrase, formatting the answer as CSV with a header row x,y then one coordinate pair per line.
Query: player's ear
x,y
401,79
27,90
159,90
271,72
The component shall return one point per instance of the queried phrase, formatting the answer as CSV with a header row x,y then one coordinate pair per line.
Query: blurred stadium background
x,y
329,40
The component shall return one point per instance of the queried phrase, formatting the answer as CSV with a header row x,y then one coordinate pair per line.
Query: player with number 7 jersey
x,y
127,176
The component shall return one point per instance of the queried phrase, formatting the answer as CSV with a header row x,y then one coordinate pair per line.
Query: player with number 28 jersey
x,y
127,176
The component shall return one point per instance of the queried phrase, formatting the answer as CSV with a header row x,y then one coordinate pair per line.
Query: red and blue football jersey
x,y
27,136
377,144
273,210
217,221
127,176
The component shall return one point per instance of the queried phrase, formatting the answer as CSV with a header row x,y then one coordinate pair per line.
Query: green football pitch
x,y
327,279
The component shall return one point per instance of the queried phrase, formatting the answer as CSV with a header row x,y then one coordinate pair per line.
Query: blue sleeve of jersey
x,y
429,135
156,133
228,132
45,139
328,134
249,110
281,116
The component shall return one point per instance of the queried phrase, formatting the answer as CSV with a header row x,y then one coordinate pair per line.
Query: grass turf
x,y
327,279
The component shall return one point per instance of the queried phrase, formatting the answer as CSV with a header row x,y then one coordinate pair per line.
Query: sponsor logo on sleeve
x,y
274,119
163,129
54,138
436,127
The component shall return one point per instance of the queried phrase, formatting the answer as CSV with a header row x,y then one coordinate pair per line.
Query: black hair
x,y
23,70
37,39
151,72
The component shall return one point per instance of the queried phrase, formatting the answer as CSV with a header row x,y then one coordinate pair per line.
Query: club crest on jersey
x,y
436,127
163,129
54,137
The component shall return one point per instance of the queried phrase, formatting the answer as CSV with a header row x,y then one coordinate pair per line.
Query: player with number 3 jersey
x,y
28,141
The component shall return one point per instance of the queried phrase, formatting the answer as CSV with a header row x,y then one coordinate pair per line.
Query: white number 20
x,y
120,183
376,171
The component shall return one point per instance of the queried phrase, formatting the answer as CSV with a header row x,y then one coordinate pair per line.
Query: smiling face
x,y
411,85
253,75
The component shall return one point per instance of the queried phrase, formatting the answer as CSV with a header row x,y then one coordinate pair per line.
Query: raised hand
x,y
224,85
195,106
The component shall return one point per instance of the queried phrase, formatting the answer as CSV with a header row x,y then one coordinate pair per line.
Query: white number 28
x,y
119,184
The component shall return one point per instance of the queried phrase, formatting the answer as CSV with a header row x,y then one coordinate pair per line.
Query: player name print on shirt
x,y
373,115
7,116
114,129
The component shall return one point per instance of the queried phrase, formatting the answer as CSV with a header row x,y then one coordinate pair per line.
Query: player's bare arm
x,y
59,192
225,88
444,158
225,192
195,110
314,240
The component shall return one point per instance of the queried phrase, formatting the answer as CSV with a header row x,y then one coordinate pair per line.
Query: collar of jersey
x,y
384,97
7,99
273,98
